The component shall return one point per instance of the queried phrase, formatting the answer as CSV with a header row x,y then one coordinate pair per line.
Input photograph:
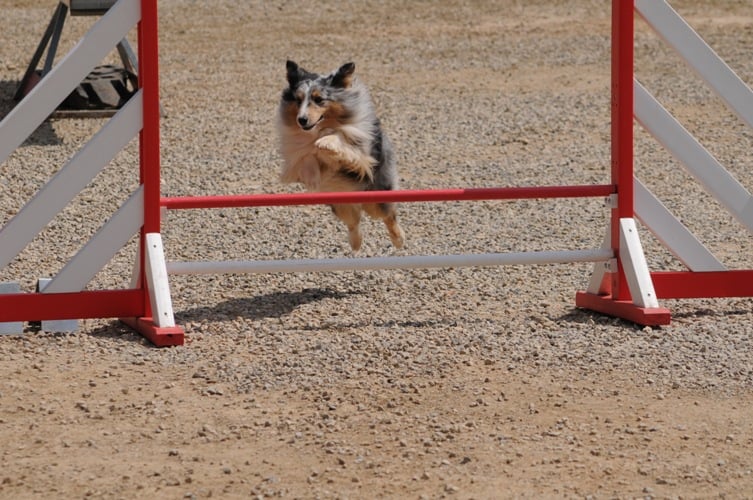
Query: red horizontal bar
x,y
698,285
469,194
76,305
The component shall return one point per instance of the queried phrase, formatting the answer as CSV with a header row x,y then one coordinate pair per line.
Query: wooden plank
x,y
70,180
694,157
679,35
101,247
373,263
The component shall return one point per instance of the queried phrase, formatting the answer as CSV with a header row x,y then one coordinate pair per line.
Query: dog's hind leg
x,y
396,232
351,216
388,213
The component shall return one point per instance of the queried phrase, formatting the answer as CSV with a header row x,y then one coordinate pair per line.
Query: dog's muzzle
x,y
304,122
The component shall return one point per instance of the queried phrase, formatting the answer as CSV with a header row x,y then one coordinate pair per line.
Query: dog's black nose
x,y
303,121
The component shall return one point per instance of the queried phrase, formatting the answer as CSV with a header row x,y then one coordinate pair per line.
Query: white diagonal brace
x,y
691,154
157,282
635,266
38,104
101,248
671,232
678,34
71,179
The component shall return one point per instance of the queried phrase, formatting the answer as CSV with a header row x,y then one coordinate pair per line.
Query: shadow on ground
x,y
44,135
272,305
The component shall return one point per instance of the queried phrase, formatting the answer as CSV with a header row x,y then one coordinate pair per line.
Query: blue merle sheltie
x,y
331,140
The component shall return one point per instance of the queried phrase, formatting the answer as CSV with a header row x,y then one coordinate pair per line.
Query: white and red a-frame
x,y
146,306
706,276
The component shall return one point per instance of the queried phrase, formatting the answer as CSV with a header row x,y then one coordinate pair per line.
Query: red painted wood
x,y
623,309
75,305
159,336
690,285
467,194
622,129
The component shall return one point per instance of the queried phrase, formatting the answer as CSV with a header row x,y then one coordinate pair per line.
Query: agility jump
x,y
621,284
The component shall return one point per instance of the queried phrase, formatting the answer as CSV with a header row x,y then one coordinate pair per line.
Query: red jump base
x,y
159,336
624,309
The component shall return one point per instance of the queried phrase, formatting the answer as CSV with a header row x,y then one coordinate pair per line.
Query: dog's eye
x,y
318,100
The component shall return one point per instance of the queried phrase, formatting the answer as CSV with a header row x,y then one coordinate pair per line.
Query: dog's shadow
x,y
271,305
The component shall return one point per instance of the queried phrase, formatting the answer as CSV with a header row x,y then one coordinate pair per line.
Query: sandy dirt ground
x,y
426,384
95,428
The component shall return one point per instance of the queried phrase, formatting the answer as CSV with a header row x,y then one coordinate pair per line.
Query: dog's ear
x,y
293,72
343,77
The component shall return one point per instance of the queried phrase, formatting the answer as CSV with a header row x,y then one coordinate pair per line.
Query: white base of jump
x,y
55,325
374,263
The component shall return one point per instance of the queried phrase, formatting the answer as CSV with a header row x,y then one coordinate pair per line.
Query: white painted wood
x,y
42,100
71,179
372,263
157,282
697,160
597,284
56,325
635,266
101,248
136,270
671,232
747,211
598,275
11,327
678,34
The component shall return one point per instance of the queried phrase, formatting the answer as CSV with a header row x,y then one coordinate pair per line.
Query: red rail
x,y
74,305
469,194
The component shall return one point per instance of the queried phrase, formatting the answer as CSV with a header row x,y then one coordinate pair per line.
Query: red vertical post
x,y
150,133
149,170
622,129
617,301
149,138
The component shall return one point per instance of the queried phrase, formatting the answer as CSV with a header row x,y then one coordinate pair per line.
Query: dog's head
x,y
313,101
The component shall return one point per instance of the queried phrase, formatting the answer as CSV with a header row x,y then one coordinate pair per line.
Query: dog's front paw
x,y
329,143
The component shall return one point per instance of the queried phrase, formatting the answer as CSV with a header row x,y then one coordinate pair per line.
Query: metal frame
x,y
51,36
50,42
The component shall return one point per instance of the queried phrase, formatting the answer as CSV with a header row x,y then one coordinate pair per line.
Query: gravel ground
x,y
467,383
